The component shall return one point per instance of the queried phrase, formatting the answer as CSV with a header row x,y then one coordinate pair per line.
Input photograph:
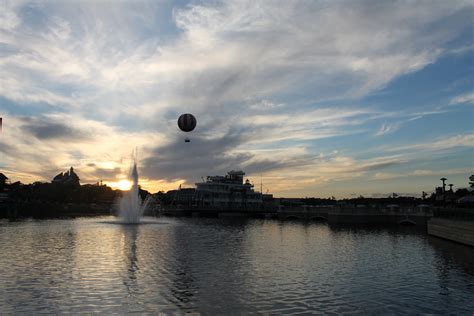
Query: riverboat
x,y
228,192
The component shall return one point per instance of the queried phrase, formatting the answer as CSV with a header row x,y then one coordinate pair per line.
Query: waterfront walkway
x,y
333,215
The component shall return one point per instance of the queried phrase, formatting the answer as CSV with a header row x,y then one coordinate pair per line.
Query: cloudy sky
x,y
317,98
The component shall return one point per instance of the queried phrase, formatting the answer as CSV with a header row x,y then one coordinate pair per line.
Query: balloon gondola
x,y
187,123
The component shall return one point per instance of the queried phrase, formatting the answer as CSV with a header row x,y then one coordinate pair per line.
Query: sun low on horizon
x,y
307,98
123,185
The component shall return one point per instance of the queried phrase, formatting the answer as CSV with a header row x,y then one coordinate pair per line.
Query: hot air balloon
x,y
187,123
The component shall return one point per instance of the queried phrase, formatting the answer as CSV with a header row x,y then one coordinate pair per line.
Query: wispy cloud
x,y
43,146
440,144
422,173
269,82
289,43
388,128
463,98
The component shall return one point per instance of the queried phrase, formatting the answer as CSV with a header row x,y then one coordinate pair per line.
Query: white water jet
x,y
130,206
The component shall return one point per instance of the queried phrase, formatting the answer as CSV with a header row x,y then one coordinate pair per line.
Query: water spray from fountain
x,y
130,206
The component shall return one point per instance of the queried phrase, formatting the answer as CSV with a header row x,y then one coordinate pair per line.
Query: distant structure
x,y
444,184
223,192
445,196
424,195
3,180
469,198
67,178
228,191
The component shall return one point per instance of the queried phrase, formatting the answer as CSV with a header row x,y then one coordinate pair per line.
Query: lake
x,y
229,266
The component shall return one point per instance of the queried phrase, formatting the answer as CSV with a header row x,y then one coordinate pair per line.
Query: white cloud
x,y
387,128
463,98
8,17
258,68
43,146
440,144
387,175
226,51
421,173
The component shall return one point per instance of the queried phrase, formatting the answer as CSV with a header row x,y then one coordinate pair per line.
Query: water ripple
x,y
212,266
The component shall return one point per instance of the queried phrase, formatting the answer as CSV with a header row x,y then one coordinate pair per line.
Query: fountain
x,y
130,206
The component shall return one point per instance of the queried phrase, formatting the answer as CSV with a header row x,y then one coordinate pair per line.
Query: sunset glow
x,y
317,98
221,157
123,185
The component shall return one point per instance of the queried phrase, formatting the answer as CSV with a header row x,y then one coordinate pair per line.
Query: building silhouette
x,y
3,180
67,178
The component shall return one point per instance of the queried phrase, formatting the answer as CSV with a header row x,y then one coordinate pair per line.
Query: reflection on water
x,y
217,266
451,257
130,258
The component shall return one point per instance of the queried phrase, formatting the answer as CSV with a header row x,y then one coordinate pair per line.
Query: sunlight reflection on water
x,y
215,266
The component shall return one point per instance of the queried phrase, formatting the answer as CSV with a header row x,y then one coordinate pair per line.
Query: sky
x,y
309,98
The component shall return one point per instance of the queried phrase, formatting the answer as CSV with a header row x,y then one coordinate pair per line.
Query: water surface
x,y
218,266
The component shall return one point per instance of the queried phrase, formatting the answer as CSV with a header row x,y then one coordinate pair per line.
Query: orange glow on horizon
x,y
123,185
